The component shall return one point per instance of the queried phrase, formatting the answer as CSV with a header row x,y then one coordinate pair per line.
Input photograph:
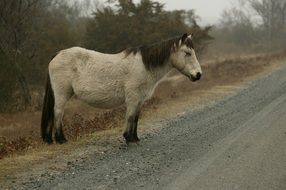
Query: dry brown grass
x,y
20,132
80,126
17,145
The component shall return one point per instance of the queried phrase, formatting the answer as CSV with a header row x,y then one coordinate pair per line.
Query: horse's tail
x,y
48,113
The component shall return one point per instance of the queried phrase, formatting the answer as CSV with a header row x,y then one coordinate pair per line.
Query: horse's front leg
x,y
131,120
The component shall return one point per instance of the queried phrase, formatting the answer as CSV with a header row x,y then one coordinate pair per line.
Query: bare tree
x,y
259,24
272,13
15,16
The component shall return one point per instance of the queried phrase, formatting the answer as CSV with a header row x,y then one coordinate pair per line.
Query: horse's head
x,y
183,58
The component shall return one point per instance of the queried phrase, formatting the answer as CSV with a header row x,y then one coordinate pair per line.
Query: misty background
x,y
32,31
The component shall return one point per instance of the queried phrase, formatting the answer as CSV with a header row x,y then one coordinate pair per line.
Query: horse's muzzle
x,y
196,77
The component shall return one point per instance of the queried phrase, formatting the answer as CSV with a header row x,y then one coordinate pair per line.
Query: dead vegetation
x,y
17,145
80,126
17,134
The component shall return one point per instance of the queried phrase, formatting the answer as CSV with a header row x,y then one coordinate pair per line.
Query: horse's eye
x,y
188,54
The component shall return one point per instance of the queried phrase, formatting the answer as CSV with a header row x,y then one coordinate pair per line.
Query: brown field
x,y
20,132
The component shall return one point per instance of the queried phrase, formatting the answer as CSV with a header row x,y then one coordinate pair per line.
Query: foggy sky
x,y
209,10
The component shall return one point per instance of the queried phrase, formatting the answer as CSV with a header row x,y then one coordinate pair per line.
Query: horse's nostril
x,y
198,76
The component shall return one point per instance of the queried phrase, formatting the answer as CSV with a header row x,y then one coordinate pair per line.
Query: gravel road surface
x,y
236,143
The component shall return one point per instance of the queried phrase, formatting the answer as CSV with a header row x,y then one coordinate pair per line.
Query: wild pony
x,y
110,80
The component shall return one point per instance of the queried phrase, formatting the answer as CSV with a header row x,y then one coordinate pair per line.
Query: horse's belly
x,y
106,103
102,87
101,98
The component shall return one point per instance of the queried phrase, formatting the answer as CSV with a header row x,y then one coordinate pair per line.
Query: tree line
x,y
32,31
257,25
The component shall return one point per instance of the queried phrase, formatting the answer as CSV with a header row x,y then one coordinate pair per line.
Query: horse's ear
x,y
184,37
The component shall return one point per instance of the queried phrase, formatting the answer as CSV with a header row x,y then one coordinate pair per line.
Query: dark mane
x,y
158,53
189,43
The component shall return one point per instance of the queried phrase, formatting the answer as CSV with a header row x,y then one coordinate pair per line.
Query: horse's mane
x,y
157,54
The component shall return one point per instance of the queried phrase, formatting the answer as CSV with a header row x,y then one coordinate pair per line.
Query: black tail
x,y
47,121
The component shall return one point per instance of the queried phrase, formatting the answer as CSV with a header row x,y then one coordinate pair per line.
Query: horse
x,y
110,80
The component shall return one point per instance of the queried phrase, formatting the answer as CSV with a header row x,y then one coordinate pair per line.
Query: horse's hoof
x,y
133,143
61,141
60,138
134,139
48,140
131,138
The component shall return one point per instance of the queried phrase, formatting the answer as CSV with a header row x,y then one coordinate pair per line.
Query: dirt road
x,y
236,143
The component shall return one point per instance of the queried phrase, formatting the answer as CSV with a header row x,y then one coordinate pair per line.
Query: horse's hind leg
x,y
60,101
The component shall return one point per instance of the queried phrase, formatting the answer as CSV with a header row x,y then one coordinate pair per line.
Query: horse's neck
x,y
160,72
